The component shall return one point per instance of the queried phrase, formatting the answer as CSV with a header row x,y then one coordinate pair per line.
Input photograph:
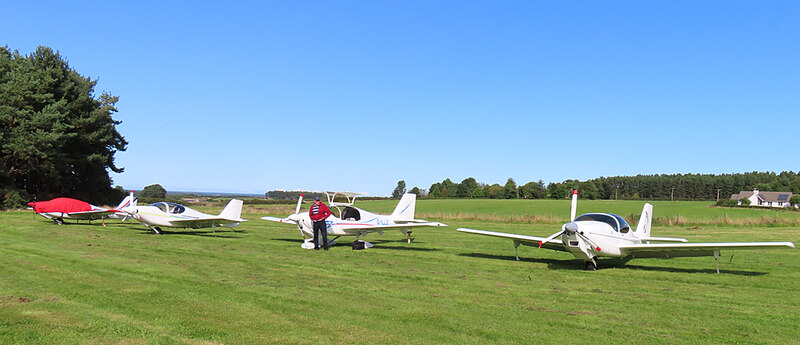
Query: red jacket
x,y
319,212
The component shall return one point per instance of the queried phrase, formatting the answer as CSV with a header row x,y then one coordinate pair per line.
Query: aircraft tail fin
x,y
233,211
129,200
406,207
645,221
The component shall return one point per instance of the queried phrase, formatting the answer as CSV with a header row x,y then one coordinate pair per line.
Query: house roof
x,y
764,196
742,195
775,196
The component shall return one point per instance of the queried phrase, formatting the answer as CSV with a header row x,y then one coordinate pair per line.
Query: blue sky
x,y
356,95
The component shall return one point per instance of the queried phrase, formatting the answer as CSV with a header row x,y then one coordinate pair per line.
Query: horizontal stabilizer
x,y
279,220
411,221
373,228
205,223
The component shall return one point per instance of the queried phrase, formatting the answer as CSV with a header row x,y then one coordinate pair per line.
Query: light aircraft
x,y
353,221
594,235
59,209
172,215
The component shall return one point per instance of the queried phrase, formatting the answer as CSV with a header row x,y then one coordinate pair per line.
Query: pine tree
x,y
56,138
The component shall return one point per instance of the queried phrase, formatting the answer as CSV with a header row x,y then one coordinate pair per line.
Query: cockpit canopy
x,y
351,213
616,222
170,207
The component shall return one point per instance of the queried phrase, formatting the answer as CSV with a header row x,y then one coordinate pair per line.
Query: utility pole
x,y
616,194
671,192
718,189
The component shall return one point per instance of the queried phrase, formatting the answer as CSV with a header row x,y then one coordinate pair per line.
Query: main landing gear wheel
x,y
591,265
58,221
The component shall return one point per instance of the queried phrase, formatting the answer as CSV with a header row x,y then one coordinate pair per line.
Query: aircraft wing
x,y
533,241
205,222
372,228
93,214
670,250
279,220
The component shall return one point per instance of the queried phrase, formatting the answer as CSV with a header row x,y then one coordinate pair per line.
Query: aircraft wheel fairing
x,y
58,221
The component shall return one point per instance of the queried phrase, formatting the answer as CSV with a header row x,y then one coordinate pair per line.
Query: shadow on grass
x,y
620,263
295,240
551,263
201,233
71,222
378,244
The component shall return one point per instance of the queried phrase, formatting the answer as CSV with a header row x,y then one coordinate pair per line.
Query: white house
x,y
767,199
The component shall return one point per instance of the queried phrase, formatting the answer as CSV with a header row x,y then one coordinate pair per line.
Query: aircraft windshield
x,y
623,225
604,218
161,206
169,207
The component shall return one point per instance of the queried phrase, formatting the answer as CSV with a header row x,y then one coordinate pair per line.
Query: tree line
x,y
293,195
650,187
56,137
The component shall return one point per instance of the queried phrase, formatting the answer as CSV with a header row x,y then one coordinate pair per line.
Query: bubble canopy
x,y
170,207
616,222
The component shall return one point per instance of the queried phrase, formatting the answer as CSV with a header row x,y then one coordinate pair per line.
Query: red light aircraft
x,y
59,209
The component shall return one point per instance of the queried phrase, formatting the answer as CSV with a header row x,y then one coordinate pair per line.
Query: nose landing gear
x,y
591,265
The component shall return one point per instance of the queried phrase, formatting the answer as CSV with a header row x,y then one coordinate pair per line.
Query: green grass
x,y
118,284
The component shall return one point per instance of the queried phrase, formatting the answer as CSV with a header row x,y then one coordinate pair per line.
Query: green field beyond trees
x,y
119,284
557,211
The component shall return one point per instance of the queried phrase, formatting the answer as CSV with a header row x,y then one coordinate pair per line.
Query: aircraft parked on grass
x,y
59,209
594,235
353,221
172,215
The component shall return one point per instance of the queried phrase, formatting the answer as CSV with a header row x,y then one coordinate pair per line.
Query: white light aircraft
x,y
172,215
353,221
594,235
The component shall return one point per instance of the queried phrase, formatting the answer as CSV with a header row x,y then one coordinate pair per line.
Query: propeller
x,y
296,216
33,206
574,207
299,202
131,204
571,226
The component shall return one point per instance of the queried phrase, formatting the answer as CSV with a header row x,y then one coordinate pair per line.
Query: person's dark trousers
x,y
320,227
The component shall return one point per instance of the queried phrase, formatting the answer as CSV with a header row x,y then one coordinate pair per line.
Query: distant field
x,y
88,284
557,211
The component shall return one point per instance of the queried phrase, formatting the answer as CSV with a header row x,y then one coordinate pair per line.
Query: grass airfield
x,y
89,284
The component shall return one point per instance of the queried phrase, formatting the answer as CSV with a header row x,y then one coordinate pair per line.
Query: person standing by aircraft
x,y
318,213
